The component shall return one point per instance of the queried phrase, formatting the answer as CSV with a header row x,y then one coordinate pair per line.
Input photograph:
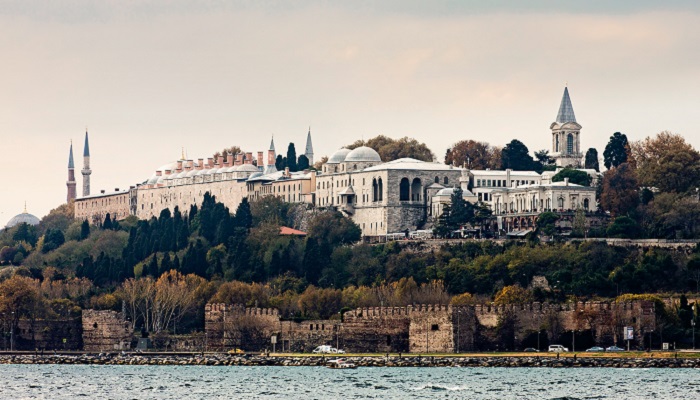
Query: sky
x,y
149,78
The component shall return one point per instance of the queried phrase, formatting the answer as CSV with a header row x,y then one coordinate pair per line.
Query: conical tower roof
x,y
309,146
86,150
566,110
70,157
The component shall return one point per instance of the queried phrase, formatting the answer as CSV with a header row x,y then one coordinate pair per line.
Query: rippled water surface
x,y
192,382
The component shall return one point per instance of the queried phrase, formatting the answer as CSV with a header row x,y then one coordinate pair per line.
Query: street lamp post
x,y
12,332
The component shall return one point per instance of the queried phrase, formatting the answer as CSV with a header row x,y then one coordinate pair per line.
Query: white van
x,y
557,348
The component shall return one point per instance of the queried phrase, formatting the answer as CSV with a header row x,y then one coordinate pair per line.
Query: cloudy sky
x,y
151,77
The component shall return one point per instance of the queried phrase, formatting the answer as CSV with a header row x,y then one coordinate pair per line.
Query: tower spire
x,y
86,171
309,151
566,110
70,184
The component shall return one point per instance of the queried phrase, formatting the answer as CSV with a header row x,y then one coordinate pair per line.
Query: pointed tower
x,y
86,171
71,176
566,143
271,158
309,152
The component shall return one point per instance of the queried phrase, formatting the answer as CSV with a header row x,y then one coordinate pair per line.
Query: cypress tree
x,y
84,230
292,158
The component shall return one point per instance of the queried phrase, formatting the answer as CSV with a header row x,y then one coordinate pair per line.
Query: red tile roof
x,y
286,231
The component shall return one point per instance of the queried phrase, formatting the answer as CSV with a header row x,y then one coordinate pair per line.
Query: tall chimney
x,y
200,163
239,158
210,161
249,158
179,166
260,159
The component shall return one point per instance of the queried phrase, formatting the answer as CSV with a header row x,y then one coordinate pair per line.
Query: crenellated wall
x,y
105,330
419,328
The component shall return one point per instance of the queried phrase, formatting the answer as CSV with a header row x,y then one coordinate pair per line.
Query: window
x,y
415,190
404,190
434,327
560,202
447,181
585,204
437,179
375,190
381,190
556,144
570,143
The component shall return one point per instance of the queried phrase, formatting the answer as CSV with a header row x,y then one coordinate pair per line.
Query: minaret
x,y
566,143
86,167
71,176
309,152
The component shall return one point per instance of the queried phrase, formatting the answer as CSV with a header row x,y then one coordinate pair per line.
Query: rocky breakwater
x,y
209,359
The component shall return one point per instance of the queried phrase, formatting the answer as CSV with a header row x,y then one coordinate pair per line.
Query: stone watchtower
x,y
86,167
71,176
566,143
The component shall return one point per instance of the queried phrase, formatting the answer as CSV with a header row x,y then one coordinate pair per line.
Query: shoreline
x,y
218,359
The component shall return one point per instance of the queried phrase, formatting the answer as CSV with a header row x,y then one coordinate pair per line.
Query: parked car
x,y
325,349
557,348
531,350
236,351
595,349
614,348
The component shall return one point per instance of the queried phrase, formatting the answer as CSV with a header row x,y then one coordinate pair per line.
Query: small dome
x,y
255,175
363,154
24,218
248,168
192,173
152,180
445,192
202,172
338,156
231,169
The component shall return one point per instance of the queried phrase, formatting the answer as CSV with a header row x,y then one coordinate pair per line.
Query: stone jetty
x,y
210,359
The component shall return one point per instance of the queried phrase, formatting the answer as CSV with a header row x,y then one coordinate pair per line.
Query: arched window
x,y
415,190
560,202
570,143
447,181
556,144
585,204
354,167
375,190
381,190
404,190
437,179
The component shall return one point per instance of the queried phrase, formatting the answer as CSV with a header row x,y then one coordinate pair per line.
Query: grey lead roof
x,y
70,157
86,151
566,110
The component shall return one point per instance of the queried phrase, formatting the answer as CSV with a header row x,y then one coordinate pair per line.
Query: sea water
x,y
207,382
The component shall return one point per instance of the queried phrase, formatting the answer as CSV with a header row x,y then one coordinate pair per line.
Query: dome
x,y
255,175
338,156
192,173
248,168
152,180
363,154
445,192
232,169
24,218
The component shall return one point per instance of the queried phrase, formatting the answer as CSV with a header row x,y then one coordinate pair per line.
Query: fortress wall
x,y
105,330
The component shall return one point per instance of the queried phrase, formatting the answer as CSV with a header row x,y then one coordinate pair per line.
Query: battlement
x,y
239,309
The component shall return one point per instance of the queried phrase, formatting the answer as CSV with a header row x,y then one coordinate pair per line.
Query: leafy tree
x,y
461,211
107,224
516,156
84,230
546,222
473,155
620,190
303,163
667,162
513,294
616,151
243,217
591,161
228,150
543,157
575,176
390,149
623,227
25,233
291,158
280,164
53,239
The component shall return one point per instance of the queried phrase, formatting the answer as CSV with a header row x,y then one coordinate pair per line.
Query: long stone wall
x,y
422,328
